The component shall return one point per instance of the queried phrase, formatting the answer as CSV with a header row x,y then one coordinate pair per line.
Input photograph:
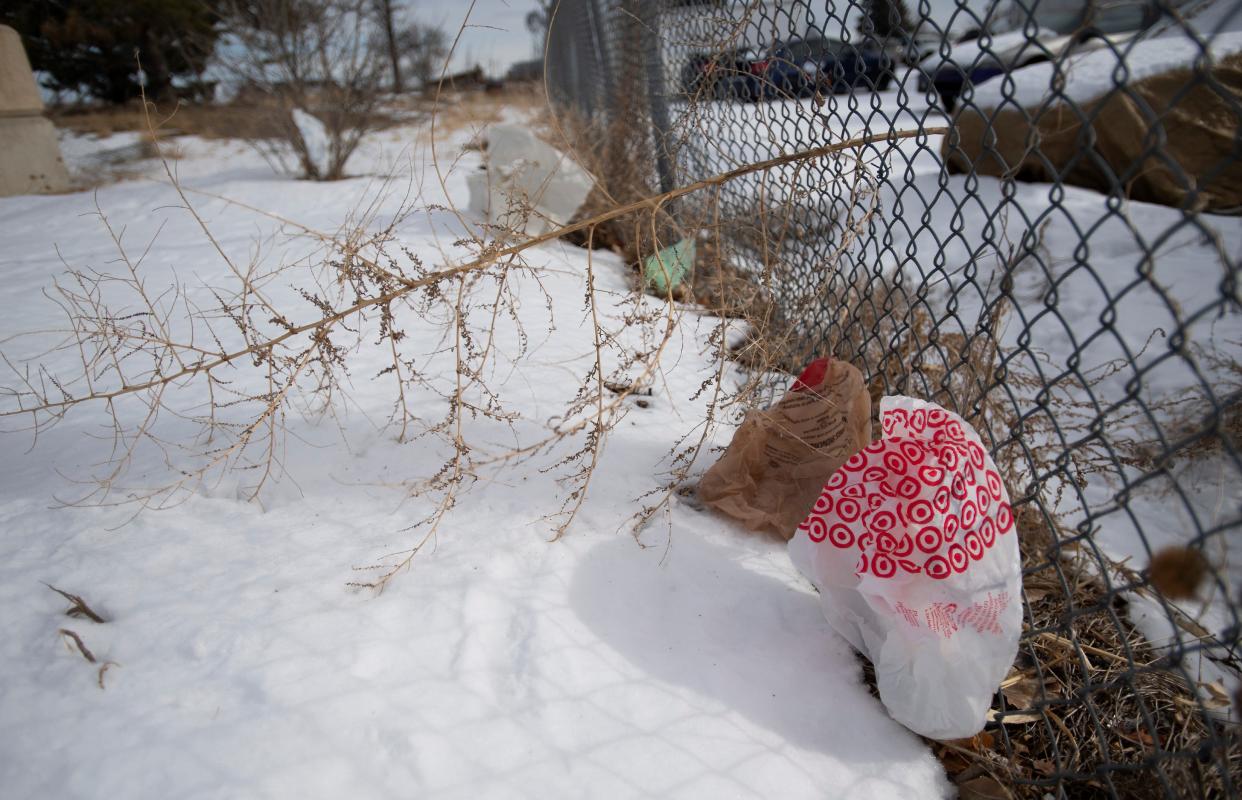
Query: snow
x,y
1009,47
1092,74
501,664
315,137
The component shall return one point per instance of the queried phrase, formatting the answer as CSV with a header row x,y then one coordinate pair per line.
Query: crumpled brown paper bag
x,y
776,465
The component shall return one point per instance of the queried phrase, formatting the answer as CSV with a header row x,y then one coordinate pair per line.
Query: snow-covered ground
x,y
1085,76
500,665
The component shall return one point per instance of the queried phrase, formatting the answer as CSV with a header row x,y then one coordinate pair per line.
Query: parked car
x,y
835,66
800,67
1063,26
704,74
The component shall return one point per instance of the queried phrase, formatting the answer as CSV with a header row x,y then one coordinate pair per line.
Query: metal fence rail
x,y
1061,268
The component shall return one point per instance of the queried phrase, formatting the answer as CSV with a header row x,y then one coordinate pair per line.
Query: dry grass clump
x,y
224,121
727,290
1092,708
456,111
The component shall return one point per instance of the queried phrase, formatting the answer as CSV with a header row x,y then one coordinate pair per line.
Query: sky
x,y
495,35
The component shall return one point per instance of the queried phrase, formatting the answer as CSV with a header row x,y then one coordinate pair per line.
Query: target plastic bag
x,y
913,548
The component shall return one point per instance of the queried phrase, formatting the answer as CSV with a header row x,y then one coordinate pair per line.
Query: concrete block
x,y
19,94
30,158
29,155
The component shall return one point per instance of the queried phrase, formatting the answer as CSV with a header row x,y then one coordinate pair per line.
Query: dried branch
x,y
79,607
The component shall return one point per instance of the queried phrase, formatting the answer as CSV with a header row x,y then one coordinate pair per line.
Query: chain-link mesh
x,y
1060,267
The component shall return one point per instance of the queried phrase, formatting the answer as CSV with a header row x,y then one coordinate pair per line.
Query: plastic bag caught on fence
x,y
779,458
913,547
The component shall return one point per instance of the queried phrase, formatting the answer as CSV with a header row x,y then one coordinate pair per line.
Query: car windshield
x,y
802,49
1119,17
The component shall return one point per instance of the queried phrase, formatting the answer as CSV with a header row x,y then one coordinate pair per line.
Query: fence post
x,y
599,40
653,66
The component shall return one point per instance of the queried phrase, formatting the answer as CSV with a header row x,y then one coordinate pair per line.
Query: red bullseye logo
x,y
1004,517
929,539
970,515
937,567
919,512
909,487
874,474
882,521
974,545
840,535
958,559
994,484
987,531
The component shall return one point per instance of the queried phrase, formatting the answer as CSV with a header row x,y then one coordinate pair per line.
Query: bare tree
x,y
886,19
321,63
423,48
384,9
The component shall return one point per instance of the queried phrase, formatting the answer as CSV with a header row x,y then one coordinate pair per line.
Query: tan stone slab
x,y
30,160
19,94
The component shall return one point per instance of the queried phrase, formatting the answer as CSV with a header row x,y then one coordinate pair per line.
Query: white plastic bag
x,y
525,185
913,547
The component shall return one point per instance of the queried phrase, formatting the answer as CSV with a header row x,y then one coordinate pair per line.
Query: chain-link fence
x,y
1060,266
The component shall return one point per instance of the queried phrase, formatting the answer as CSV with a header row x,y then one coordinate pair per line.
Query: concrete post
x,y
29,156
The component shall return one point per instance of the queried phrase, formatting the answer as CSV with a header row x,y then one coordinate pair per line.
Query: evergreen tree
x,y
89,46
886,19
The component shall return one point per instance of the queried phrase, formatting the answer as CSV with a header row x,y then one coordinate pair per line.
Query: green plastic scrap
x,y
665,269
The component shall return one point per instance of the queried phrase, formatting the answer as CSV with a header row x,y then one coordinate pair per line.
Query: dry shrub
x,y
241,120
456,111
